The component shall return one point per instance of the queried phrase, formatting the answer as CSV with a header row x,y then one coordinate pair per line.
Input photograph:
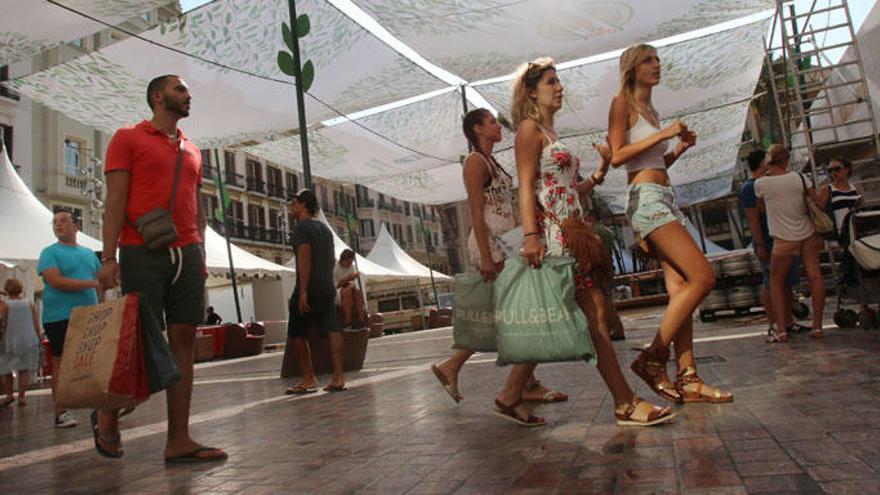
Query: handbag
x,y
156,226
161,368
821,221
473,323
536,317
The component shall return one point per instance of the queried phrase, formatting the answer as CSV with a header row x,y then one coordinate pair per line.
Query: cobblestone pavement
x,y
803,422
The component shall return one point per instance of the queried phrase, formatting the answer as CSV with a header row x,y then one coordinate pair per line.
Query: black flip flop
x,y
97,435
193,456
300,390
335,388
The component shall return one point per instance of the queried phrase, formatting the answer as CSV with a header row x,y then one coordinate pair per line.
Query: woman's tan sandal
x,y
693,389
642,413
650,366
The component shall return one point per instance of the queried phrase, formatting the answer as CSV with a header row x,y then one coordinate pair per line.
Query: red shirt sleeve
x,y
118,152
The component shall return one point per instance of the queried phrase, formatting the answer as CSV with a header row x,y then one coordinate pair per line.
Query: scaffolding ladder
x,y
822,101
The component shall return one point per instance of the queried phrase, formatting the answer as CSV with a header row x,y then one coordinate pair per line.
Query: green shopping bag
x,y
536,317
473,325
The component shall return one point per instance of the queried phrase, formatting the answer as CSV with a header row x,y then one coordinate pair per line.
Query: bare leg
x,y
303,355
338,379
684,338
592,302
24,379
181,338
8,388
56,365
810,256
768,305
677,248
789,300
359,306
779,267
511,393
345,297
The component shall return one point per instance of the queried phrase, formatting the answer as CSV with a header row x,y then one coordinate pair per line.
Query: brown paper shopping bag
x,y
103,364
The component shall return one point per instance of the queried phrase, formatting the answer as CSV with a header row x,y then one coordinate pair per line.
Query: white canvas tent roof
x,y
244,262
387,252
228,55
25,222
369,270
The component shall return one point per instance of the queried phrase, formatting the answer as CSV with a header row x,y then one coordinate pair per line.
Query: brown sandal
x,y
693,389
650,366
509,413
642,413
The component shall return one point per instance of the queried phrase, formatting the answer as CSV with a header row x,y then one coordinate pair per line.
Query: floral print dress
x,y
498,211
556,190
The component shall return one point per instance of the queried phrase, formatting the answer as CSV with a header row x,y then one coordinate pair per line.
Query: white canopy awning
x,y
28,27
25,222
387,252
368,270
481,40
412,151
245,263
227,52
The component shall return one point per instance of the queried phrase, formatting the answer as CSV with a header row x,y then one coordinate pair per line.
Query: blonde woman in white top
x,y
638,142
782,192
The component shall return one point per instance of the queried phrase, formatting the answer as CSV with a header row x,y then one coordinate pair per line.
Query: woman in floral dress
x,y
490,197
552,225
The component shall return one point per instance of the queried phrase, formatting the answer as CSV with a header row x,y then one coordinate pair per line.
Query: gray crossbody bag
x,y
156,226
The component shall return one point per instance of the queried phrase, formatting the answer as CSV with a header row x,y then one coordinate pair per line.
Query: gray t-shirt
x,y
321,287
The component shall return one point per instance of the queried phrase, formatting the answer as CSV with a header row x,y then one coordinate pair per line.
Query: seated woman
x,y
348,294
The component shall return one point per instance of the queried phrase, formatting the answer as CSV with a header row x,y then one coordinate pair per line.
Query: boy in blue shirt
x,y
70,273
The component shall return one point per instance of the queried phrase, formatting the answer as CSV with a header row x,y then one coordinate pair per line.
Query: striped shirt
x,y
842,202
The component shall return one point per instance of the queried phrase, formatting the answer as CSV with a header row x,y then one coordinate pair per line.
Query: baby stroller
x,y
860,267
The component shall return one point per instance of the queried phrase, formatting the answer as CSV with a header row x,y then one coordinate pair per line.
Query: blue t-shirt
x,y
748,199
73,262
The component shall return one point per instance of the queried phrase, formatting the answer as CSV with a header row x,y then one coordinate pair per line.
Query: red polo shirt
x,y
150,158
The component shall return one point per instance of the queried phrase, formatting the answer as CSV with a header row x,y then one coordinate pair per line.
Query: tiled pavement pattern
x,y
804,421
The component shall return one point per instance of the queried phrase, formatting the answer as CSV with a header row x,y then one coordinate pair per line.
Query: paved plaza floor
x,y
803,421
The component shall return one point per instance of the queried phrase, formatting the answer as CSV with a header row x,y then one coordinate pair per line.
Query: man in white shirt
x,y
348,294
784,194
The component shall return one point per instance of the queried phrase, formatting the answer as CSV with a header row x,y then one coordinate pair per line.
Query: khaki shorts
x,y
781,247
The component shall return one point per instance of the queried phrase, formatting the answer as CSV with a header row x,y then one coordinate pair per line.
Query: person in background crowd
x,y
552,224
840,195
490,197
782,193
348,294
213,318
762,243
70,273
312,303
19,341
639,143
139,169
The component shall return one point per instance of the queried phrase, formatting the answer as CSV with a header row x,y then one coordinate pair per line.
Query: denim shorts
x,y
651,206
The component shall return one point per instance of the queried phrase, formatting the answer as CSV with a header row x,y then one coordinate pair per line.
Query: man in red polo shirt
x,y
139,171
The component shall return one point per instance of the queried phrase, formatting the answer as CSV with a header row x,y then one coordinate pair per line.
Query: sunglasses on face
x,y
835,169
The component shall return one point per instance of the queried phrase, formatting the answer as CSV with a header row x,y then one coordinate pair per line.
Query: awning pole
x,y
222,193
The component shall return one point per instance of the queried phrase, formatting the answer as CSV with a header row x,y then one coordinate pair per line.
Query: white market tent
x,y
227,49
369,271
387,252
25,222
25,229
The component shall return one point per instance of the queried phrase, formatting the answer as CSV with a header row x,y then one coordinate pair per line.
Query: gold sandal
x,y
642,413
650,366
692,388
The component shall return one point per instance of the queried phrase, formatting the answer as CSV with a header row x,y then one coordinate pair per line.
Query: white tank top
x,y
652,158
